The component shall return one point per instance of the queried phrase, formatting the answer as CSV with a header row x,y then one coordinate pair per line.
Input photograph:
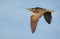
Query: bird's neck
x,y
39,14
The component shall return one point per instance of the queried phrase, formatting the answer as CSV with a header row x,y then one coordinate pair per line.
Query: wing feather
x,y
34,21
48,17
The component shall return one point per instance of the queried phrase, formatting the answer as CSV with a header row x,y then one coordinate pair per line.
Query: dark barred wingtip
x,y
32,32
49,22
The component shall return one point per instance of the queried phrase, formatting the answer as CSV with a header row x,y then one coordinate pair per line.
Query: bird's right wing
x,y
48,17
34,21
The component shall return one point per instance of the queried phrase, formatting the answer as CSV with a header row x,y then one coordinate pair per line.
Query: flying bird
x,y
38,12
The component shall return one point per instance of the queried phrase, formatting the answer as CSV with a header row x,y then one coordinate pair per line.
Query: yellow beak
x,y
28,8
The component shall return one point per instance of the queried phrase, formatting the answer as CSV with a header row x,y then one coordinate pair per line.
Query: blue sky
x,y
15,19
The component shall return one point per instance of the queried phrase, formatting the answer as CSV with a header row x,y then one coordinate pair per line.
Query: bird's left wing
x,y
34,21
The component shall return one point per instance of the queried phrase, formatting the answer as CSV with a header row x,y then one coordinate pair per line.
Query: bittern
x,y
38,12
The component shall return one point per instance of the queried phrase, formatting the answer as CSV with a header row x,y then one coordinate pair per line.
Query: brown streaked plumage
x,y
38,12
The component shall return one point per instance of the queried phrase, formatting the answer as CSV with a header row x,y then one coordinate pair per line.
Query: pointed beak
x,y
29,9
50,10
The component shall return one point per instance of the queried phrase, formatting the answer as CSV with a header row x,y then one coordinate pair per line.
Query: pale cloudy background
x,y
15,19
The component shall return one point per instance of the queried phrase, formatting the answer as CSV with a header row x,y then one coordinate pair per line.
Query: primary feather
x,y
48,17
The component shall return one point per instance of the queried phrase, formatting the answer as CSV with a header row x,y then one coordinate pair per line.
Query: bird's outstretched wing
x,y
34,21
48,17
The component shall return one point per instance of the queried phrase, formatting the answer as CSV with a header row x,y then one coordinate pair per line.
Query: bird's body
x,y
38,12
